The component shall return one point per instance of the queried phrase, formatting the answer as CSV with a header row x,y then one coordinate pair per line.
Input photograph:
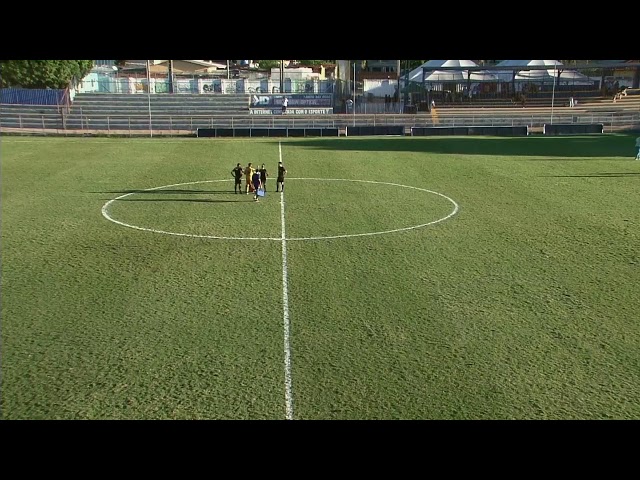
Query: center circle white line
x,y
105,212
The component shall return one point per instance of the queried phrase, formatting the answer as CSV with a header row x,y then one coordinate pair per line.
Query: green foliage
x,y
42,73
411,64
315,62
268,64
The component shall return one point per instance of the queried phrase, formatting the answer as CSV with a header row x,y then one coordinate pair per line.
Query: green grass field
x,y
137,285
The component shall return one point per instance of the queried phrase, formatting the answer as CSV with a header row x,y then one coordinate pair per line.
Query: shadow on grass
x,y
192,200
565,147
603,175
173,191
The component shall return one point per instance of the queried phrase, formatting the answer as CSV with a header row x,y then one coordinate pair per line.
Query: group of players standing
x,y
256,179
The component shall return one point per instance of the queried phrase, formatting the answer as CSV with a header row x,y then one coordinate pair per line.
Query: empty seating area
x,y
183,113
122,111
160,104
539,99
126,111
30,116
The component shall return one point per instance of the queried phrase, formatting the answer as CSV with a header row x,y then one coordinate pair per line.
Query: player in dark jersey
x,y
257,183
280,180
263,176
237,174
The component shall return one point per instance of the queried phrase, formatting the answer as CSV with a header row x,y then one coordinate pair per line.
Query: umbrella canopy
x,y
548,74
528,63
448,63
573,76
570,76
461,75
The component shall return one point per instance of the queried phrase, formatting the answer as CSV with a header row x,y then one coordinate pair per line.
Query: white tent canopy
x,y
528,63
568,76
461,75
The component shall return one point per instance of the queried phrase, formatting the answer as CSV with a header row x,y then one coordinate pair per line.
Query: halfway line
x,y
285,308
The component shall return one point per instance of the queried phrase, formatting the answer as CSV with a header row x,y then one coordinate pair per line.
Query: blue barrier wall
x,y
30,96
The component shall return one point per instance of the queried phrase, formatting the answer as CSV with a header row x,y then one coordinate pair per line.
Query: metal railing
x,y
184,124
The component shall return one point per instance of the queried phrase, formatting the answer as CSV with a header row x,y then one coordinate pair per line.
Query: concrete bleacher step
x,y
93,106
160,97
189,111
156,98
87,108
30,109
167,104
155,102
90,104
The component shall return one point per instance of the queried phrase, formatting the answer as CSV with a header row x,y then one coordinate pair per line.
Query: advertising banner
x,y
295,100
291,111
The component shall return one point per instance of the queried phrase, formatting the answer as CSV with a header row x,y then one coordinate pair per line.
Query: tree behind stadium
x,y
42,73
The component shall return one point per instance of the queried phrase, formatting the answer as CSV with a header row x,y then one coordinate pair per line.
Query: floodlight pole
x,y
282,76
398,71
553,92
170,76
424,88
406,85
149,96
354,93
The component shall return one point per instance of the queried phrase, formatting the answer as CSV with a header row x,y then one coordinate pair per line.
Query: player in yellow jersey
x,y
248,173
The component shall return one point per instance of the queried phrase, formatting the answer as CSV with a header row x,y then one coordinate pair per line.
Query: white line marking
x,y
285,310
283,239
105,213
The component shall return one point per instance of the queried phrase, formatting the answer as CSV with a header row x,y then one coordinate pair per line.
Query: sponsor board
x,y
291,111
295,100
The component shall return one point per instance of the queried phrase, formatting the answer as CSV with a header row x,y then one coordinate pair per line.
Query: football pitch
x,y
395,278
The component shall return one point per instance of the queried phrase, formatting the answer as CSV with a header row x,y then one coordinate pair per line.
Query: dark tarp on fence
x,y
31,96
